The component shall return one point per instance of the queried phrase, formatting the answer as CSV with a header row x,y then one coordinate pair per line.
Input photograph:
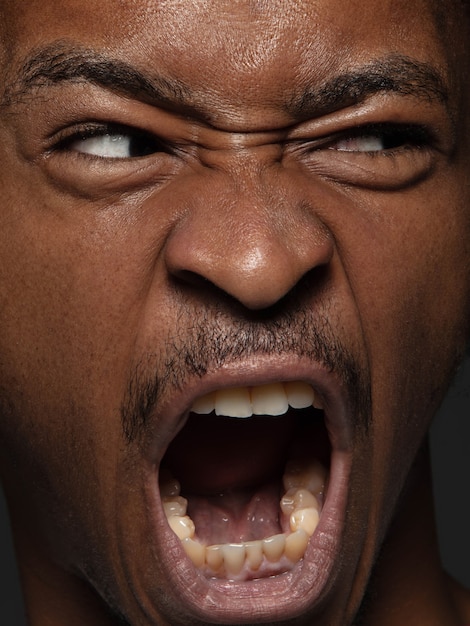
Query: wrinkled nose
x,y
255,244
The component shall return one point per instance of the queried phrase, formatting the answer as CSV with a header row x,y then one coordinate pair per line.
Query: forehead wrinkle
x,y
62,62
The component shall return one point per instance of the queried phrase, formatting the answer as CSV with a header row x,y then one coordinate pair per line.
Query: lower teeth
x,y
300,508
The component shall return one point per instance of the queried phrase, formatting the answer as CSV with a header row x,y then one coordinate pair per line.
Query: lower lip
x,y
280,597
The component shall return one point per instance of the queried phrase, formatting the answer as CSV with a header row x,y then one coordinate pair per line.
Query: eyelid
x,y
411,160
406,136
63,139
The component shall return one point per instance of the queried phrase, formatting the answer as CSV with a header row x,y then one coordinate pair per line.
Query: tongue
x,y
231,470
236,516
230,456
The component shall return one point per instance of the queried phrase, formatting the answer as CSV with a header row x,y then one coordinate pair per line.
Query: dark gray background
x,y
450,442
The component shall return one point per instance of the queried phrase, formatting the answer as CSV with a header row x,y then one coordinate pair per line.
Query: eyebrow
x,y
398,74
60,63
64,63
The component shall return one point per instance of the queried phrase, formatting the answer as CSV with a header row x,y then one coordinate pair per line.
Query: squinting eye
x,y
360,144
380,139
112,144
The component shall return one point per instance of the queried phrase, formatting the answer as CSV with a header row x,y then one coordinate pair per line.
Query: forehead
x,y
211,47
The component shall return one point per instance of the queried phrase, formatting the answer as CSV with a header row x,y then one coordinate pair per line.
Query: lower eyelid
x,y
386,169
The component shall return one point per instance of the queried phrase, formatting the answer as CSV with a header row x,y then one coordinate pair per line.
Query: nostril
x,y
193,279
307,287
247,255
202,287
257,278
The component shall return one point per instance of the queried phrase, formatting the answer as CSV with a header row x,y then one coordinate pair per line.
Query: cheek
x,y
70,298
411,279
411,276
69,305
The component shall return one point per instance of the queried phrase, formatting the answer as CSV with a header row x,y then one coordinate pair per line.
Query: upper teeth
x,y
272,399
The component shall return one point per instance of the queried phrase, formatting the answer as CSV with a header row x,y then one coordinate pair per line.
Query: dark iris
x,y
393,136
140,144
144,144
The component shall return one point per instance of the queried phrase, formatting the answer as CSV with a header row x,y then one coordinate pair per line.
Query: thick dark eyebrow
x,y
396,74
63,62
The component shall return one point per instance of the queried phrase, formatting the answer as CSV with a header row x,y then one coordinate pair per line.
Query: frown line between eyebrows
x,y
68,63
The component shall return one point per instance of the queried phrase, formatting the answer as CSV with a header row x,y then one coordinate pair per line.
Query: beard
x,y
206,340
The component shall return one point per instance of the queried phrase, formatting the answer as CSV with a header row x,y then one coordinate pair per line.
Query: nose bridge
x,y
248,230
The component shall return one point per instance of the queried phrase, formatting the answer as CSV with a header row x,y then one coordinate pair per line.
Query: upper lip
x,y
307,582
173,410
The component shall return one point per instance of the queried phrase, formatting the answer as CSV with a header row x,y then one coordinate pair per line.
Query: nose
x,y
254,243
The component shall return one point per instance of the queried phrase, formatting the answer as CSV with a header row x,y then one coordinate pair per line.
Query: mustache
x,y
206,341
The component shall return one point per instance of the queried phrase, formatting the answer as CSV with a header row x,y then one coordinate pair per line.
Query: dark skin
x,y
238,191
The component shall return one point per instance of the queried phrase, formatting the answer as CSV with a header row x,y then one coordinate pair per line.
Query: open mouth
x,y
244,482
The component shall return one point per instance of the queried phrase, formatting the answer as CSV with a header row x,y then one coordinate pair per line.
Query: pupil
x,y
141,145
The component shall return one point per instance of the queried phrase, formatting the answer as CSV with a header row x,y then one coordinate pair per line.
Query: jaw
x,y
234,560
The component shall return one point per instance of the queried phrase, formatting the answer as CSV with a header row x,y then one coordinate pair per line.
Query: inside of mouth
x,y
244,482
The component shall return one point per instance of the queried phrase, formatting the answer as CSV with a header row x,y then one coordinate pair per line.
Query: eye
x,y
382,138
386,156
111,142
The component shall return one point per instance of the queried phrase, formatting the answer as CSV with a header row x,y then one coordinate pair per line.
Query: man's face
x,y
207,195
